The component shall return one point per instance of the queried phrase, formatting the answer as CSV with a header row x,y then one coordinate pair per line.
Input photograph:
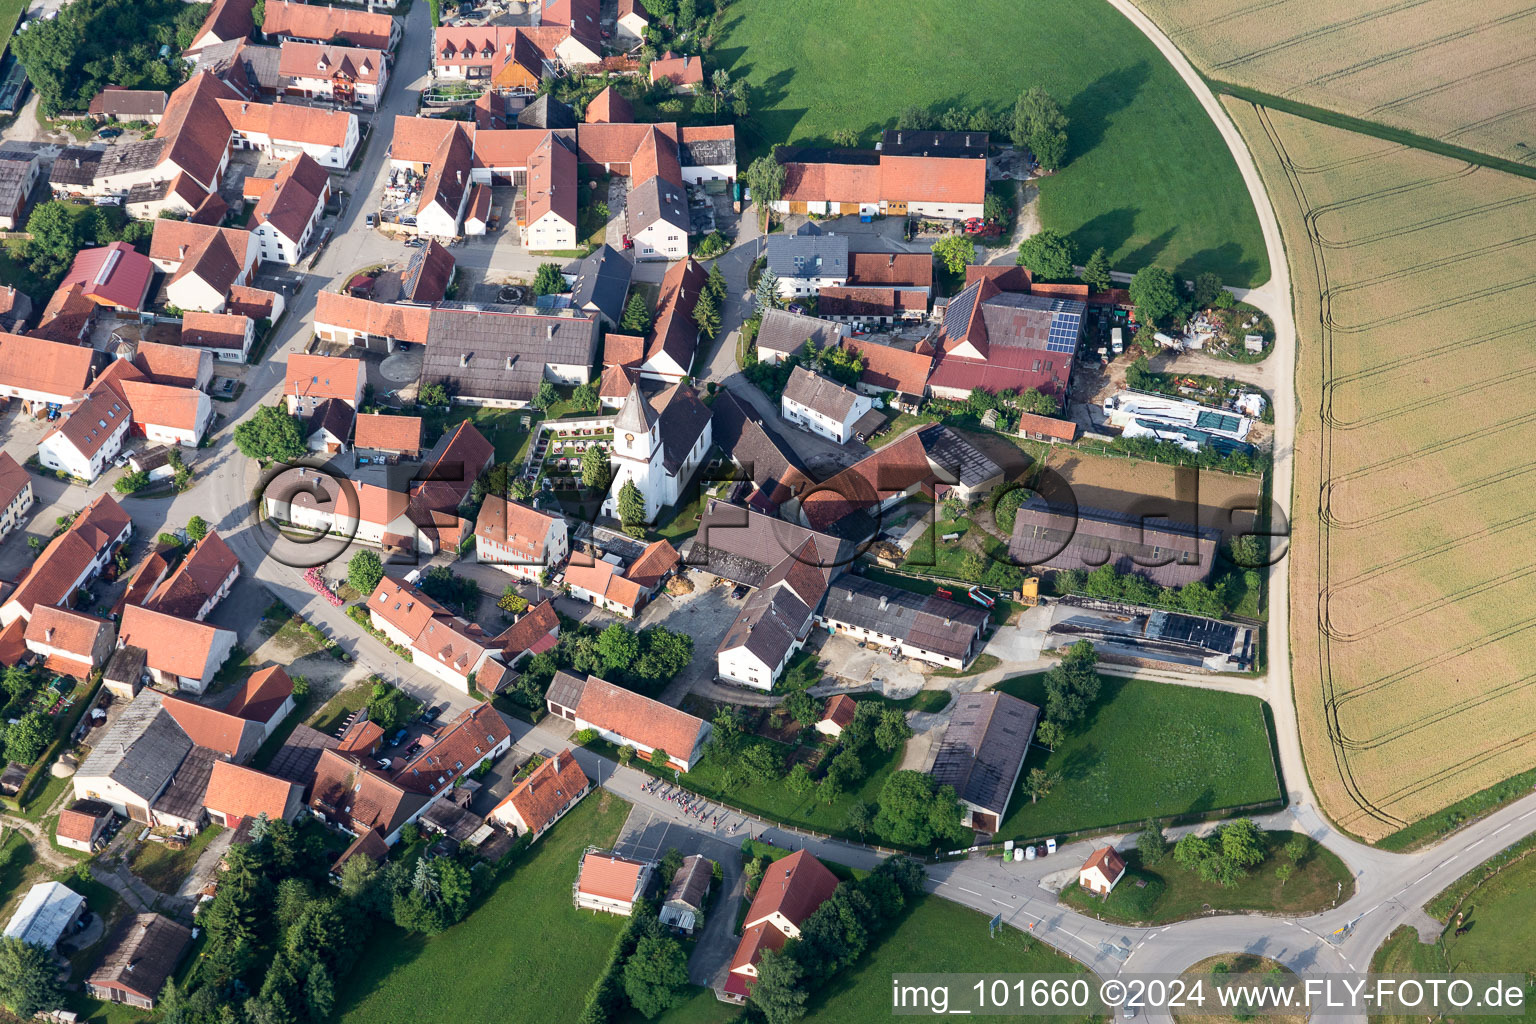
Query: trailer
x,y
975,594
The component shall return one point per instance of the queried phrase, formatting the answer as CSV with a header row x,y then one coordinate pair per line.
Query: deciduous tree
x,y
955,253
656,974
548,280
364,572
1048,255
271,435
1155,295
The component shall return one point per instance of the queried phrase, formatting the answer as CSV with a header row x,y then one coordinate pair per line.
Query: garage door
x,y
795,207
848,208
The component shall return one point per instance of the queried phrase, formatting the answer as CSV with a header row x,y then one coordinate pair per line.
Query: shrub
x,y
584,737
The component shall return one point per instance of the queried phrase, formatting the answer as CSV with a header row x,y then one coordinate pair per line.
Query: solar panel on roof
x,y
1064,330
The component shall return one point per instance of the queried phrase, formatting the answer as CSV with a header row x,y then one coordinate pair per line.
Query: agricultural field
x,y
1146,750
1148,177
1455,73
1411,590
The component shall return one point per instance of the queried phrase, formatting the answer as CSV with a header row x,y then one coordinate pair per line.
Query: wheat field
x,y
1413,579
1458,72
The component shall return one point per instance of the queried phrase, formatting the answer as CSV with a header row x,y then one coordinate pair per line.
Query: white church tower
x,y
637,455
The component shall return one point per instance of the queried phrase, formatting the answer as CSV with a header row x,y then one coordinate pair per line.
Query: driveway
x,y
706,615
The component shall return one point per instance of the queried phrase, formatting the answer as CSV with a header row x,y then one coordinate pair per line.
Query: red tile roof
x,y
170,364
322,377
260,697
543,795
604,580
322,24
404,607
537,623
359,798
868,482
197,579
675,332
255,303
297,192
794,887
1050,426
895,369
13,480
209,727
681,70
623,350
608,107
228,19
178,646
609,876
654,563
470,738
912,269
513,525
321,60
77,825
639,718
933,179
290,122
197,128
51,580
239,792
403,323
1106,860
45,366
224,331
840,300
388,433
552,183
840,710
71,632
837,183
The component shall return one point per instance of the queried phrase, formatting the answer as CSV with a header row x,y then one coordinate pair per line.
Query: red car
x,y
629,243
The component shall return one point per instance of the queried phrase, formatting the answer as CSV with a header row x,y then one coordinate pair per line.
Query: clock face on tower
x,y
629,438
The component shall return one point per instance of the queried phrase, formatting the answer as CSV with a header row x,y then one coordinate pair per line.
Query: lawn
x,y
1146,750
1147,175
10,14
353,698
502,427
524,955
163,868
1500,926
1174,894
936,936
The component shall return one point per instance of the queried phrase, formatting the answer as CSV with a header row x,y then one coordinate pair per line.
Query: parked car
x,y
109,201
432,714
109,133
368,221
398,738
413,749
414,243
385,763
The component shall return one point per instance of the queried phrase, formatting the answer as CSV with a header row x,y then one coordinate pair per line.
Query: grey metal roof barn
x,y
498,353
602,281
141,750
1059,537
945,628
45,912
807,256
983,748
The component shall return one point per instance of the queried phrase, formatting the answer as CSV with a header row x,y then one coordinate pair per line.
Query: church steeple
x,y
634,429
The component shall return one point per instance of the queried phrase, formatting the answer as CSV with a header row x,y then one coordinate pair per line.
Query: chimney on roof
x,y
183,252
464,359
509,362
48,635
77,161
883,602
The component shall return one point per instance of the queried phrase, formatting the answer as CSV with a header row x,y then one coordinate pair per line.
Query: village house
x,y
284,130
266,698
601,284
115,276
182,653
16,496
69,642
925,174
314,23
686,74
228,21
171,365
225,336
329,427
604,584
675,335
899,376
520,541
610,883
627,718
552,184
870,308
790,891
981,754
202,579
837,715
632,22
71,560
823,406
18,176
344,75
288,209
450,648
205,262
387,435
311,380
1006,341
533,633
807,261
115,103
237,794
376,326
544,796
781,334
